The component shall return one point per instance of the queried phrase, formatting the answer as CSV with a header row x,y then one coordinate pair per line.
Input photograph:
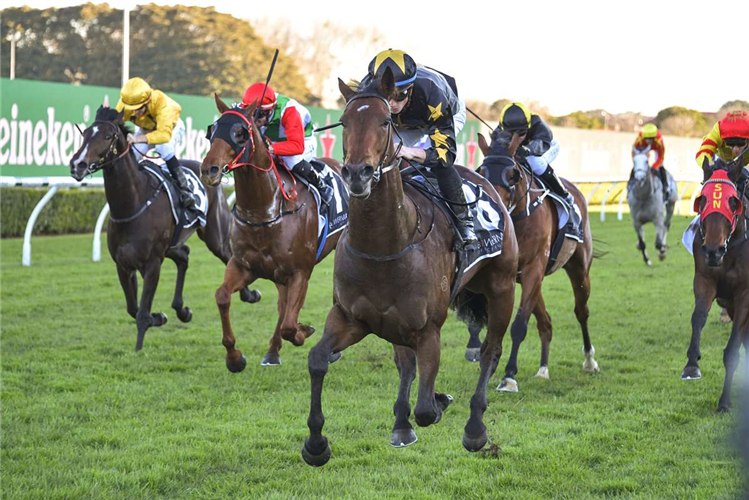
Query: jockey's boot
x,y
309,174
186,198
664,181
551,180
451,186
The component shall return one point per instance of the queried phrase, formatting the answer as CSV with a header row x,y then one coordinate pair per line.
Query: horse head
x,y
103,142
719,206
641,166
231,138
367,134
499,165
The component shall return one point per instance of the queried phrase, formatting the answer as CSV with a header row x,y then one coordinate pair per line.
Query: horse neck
x,y
385,222
257,190
126,186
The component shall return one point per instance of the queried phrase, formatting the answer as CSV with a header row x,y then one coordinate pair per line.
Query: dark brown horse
x,y
275,236
394,268
141,226
536,223
721,267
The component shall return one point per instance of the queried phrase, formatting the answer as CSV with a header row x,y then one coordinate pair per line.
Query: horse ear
x,y
220,105
120,116
483,145
346,91
387,83
706,168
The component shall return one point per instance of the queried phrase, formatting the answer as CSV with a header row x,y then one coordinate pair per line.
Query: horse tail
x,y
471,308
598,253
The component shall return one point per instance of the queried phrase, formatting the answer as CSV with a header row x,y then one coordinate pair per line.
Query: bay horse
x,y
721,270
141,226
394,267
646,204
536,220
275,235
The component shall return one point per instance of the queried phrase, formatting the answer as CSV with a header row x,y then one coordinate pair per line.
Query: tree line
x,y
196,50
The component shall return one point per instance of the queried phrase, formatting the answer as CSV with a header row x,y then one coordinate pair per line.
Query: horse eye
x,y
109,137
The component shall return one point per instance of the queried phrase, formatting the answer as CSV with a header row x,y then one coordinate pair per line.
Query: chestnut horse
x,y
536,233
274,236
721,266
141,226
393,273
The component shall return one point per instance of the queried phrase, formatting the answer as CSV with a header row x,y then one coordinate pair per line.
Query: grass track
x,y
84,416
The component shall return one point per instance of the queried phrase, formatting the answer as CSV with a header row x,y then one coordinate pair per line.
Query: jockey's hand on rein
x,y
135,139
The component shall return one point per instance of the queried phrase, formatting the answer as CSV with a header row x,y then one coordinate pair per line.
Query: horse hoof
x,y
316,460
250,296
723,409
443,400
662,256
543,373
474,444
238,366
184,314
271,359
473,354
591,365
508,385
691,373
159,319
649,263
403,437
724,317
335,357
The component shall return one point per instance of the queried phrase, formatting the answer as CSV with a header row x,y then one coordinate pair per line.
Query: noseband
x,y
381,168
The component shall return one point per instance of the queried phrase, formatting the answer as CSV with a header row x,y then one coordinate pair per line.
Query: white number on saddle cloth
x,y
197,190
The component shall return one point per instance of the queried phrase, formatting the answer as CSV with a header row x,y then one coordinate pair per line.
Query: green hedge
x,y
69,210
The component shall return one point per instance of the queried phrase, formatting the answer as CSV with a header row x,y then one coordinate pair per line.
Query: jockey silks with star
x,y
651,139
428,115
288,126
157,125
539,149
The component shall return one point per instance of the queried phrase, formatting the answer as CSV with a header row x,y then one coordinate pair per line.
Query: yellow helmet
x,y
135,93
649,131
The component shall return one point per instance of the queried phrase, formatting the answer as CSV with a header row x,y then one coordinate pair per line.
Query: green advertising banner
x,y
38,134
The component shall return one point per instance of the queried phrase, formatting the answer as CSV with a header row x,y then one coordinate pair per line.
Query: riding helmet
x,y
400,63
515,117
255,91
649,131
734,125
135,93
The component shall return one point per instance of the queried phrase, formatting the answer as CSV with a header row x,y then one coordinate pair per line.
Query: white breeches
x,y
539,163
165,150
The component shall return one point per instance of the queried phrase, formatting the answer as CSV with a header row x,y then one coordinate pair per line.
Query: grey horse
x,y
645,198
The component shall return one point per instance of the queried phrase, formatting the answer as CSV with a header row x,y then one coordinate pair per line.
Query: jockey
x,y
539,149
727,139
157,125
428,115
288,125
651,139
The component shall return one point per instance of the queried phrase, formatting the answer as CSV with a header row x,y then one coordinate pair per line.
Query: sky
x,y
636,55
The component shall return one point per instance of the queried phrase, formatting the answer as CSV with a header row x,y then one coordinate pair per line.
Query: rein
x,y
112,149
511,189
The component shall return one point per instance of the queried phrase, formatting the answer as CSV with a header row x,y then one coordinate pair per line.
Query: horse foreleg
x,y
429,405
641,243
580,280
500,312
272,356
235,278
339,333
530,280
704,294
661,232
543,321
129,283
403,432
180,256
144,318
291,329
730,362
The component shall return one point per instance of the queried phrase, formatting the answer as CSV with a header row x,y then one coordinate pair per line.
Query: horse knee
x,y
317,361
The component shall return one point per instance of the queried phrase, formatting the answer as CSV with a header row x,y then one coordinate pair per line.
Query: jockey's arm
x,y
710,143
294,143
166,115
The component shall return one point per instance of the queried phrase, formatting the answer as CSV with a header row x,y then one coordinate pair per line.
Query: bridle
x,y
94,167
734,223
395,161
511,188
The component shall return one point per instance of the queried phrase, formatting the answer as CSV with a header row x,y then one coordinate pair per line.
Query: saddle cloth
x,y
488,220
687,239
563,214
334,218
191,216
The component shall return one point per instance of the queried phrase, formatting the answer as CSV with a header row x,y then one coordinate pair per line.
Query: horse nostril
x,y
367,172
346,173
213,170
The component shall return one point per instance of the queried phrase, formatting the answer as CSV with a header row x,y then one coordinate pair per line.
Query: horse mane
x,y
108,114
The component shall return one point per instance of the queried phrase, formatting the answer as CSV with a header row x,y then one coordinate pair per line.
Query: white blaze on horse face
x,y
362,108
641,166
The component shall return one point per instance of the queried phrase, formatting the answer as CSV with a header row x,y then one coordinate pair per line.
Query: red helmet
x,y
255,91
735,124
